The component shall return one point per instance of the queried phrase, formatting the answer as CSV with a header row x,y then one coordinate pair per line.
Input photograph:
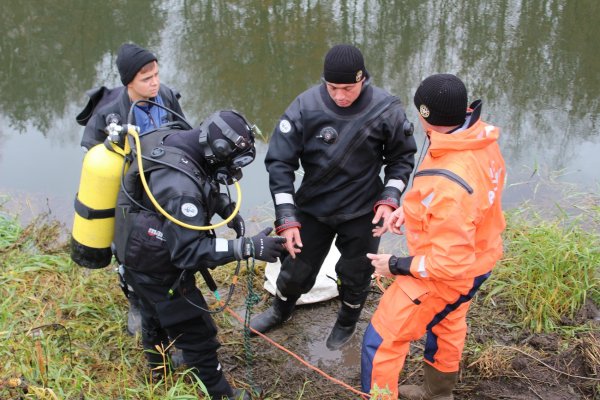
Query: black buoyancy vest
x,y
132,199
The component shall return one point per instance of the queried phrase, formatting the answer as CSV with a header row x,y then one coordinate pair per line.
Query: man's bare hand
x,y
381,263
395,221
382,214
293,243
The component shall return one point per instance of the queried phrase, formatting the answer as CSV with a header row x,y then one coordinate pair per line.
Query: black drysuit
x,y
341,182
155,251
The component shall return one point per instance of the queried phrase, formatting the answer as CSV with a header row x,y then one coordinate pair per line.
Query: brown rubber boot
x,y
437,385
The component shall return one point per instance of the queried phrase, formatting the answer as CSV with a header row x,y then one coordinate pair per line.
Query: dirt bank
x,y
500,360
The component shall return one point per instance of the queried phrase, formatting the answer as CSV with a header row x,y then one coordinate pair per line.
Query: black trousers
x,y
167,319
354,240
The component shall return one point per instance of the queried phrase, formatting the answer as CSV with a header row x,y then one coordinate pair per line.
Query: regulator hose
x,y
136,138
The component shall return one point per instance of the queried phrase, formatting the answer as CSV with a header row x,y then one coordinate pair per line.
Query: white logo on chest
x,y
189,210
155,233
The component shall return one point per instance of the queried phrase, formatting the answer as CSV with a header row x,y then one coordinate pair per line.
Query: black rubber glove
x,y
264,247
237,224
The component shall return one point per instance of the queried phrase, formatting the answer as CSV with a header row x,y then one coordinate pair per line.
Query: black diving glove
x,y
264,247
237,223
225,207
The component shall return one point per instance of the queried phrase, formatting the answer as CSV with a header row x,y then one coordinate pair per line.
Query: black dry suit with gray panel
x,y
155,251
342,151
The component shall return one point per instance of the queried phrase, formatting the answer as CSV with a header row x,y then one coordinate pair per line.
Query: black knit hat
x,y
441,99
130,59
344,63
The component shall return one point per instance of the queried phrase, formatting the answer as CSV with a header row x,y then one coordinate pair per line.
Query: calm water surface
x,y
535,64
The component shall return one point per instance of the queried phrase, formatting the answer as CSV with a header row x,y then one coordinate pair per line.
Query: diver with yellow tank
x,y
184,170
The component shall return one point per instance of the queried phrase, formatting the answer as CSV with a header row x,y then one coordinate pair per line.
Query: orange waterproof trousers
x,y
408,309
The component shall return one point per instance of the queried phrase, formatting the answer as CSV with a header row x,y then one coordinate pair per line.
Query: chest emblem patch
x,y
189,210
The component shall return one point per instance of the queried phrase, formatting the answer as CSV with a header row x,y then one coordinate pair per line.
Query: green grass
x,y
549,269
62,326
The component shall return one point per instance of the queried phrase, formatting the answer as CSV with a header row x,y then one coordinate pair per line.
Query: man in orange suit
x,y
453,221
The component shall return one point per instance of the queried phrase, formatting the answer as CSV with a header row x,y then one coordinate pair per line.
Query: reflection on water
x,y
534,64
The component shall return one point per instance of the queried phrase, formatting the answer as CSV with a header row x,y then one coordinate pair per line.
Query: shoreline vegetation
x,y
534,327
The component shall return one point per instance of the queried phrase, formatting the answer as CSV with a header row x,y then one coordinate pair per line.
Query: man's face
x,y
146,83
344,94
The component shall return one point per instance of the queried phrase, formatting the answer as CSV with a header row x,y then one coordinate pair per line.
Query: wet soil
x,y
500,360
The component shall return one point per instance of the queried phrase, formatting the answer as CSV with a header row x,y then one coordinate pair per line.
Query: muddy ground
x,y
500,361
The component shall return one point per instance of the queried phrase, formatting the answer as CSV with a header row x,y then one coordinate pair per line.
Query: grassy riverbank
x,y
62,336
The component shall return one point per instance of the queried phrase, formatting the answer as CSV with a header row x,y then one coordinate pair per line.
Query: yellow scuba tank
x,y
93,225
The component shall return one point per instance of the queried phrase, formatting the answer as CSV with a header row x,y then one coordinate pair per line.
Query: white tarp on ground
x,y
325,287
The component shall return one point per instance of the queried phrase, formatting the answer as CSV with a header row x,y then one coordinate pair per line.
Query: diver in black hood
x,y
184,170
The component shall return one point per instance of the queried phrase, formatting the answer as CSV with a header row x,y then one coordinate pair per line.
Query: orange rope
x,y
297,357
379,284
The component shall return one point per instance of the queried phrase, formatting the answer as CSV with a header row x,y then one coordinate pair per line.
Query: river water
x,y
535,64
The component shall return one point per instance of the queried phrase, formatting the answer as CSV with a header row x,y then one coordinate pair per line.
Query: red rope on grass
x,y
297,357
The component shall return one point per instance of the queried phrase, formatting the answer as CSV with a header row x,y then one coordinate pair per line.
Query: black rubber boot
x,y
219,389
353,302
240,394
279,312
340,335
345,325
134,315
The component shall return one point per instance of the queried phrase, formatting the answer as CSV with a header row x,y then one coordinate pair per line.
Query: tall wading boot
x,y
239,394
437,385
344,326
279,312
134,314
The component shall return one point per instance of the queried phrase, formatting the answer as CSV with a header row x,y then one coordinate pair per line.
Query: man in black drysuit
x,y
183,170
342,132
